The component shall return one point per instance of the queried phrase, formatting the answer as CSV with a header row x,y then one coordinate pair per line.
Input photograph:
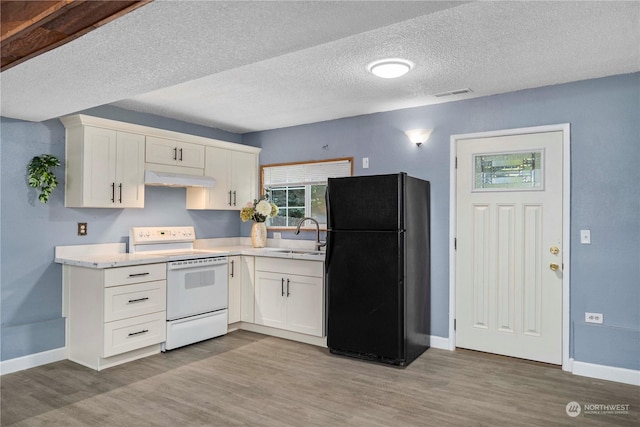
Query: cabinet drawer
x,y
134,333
134,274
290,266
125,301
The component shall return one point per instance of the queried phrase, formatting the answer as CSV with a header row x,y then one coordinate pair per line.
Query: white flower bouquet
x,y
259,210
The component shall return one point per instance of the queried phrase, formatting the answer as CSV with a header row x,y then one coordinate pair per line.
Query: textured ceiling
x,y
247,66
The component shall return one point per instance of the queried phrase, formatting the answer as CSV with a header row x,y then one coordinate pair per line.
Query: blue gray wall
x,y
605,146
605,152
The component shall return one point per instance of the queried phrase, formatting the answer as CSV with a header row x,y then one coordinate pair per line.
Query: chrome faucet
x,y
319,244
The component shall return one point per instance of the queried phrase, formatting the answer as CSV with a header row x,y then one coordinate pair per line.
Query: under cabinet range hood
x,y
170,179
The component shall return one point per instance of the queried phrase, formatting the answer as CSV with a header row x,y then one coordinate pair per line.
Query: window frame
x,y
263,191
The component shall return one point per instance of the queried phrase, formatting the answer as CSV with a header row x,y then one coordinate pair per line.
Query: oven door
x,y
196,286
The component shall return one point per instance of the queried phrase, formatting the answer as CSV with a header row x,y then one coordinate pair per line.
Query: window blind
x,y
304,173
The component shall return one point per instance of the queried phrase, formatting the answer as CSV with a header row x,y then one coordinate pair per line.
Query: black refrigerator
x,y
378,267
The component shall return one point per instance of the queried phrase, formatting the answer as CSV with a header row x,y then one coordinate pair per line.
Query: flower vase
x,y
259,235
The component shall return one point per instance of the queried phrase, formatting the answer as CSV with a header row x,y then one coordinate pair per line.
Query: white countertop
x,y
113,255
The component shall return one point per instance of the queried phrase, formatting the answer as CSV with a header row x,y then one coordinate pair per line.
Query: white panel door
x,y
304,304
130,171
243,178
509,253
270,307
100,167
235,288
218,165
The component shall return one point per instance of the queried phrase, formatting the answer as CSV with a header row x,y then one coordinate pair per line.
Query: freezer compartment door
x,y
365,202
365,281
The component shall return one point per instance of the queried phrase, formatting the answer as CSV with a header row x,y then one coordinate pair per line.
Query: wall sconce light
x,y
418,136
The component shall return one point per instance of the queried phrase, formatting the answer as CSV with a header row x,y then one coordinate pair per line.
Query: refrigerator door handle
x,y
327,256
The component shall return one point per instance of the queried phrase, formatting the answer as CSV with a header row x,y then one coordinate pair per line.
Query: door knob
x,y
553,266
554,250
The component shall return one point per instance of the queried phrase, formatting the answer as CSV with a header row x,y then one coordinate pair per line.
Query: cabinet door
x,y
190,155
248,289
161,150
270,299
304,305
235,288
99,167
243,178
130,170
217,166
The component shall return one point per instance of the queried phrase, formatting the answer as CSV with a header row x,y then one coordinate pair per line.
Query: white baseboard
x,y
439,342
609,373
32,360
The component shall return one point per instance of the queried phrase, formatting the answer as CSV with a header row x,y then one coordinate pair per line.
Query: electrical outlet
x,y
82,229
277,235
593,318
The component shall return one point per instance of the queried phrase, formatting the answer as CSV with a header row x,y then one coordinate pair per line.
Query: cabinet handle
x,y
234,198
282,286
229,197
175,153
138,299
120,188
181,154
144,331
113,192
232,269
139,274
288,288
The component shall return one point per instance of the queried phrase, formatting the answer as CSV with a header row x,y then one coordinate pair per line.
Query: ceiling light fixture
x,y
390,68
418,136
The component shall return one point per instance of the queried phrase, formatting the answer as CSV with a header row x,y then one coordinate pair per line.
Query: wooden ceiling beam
x,y
30,28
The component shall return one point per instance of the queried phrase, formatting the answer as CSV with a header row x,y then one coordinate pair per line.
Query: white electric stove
x,y
197,283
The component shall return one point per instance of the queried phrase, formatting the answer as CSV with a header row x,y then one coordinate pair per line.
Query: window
x,y
298,189
508,171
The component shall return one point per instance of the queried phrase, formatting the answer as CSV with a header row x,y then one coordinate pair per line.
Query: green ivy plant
x,y
41,176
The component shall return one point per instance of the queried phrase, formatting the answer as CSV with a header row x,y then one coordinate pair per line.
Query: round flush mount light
x,y
390,68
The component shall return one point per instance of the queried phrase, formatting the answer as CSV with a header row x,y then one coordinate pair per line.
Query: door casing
x,y
566,225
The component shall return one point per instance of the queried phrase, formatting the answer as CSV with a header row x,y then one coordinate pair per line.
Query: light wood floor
x,y
246,379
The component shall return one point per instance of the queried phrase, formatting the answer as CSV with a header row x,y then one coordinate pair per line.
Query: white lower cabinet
x,y
241,288
289,294
114,315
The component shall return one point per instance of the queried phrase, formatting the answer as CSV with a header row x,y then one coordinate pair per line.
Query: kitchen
x,y
603,116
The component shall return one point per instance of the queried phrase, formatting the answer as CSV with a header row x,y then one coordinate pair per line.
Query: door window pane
x,y
507,171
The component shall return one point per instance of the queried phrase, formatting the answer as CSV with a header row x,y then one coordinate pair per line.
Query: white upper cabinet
x,y
235,173
105,163
104,168
174,153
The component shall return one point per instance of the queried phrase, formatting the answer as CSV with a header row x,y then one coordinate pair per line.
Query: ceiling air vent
x,y
453,92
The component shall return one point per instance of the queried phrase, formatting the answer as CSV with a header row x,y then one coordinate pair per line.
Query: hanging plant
x,y
41,176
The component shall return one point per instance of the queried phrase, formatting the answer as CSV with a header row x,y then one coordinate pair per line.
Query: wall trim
x,y
83,120
32,360
439,342
609,373
566,225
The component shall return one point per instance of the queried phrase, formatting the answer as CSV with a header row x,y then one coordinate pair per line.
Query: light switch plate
x,y
365,163
585,237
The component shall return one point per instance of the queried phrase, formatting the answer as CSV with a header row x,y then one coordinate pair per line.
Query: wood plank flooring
x,y
247,379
